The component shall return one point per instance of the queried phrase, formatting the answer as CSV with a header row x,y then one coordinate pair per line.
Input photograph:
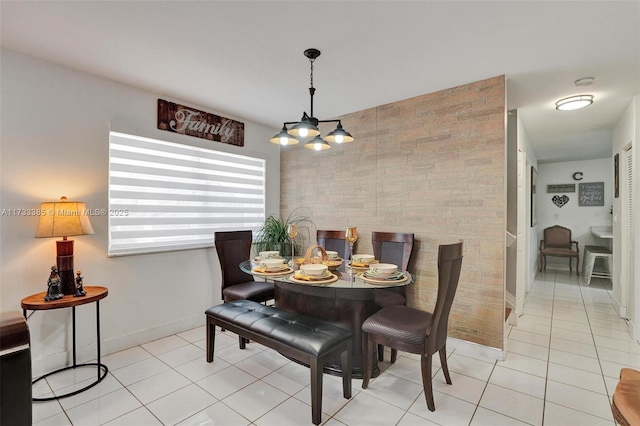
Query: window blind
x,y
165,196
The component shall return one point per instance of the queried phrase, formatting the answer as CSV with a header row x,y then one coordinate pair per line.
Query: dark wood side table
x,y
36,302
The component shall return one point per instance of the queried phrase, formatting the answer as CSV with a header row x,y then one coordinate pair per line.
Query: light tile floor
x,y
562,368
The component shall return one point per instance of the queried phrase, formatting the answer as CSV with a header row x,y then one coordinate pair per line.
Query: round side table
x,y
36,302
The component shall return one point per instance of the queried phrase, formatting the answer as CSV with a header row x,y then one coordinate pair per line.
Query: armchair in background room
x,y
557,242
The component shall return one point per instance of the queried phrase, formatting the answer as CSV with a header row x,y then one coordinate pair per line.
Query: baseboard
x,y
532,279
87,353
476,349
621,310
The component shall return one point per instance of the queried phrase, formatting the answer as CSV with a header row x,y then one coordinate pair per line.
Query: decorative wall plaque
x,y
565,187
560,201
591,194
189,121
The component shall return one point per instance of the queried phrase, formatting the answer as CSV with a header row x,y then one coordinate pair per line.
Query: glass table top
x,y
337,279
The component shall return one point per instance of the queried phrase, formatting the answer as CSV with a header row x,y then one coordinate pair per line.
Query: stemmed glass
x,y
351,236
292,232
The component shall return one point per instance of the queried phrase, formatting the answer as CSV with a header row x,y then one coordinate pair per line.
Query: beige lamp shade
x,y
63,219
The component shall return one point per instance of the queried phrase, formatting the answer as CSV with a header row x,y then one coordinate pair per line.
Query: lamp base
x,y
64,263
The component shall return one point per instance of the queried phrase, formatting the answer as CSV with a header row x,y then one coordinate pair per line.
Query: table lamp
x,y
64,219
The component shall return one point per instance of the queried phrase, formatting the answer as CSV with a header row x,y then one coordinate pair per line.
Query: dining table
x,y
347,300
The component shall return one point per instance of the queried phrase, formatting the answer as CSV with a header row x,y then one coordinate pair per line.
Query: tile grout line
x,y
546,377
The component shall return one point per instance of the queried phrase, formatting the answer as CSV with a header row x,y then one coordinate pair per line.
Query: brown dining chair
x,y
395,248
233,248
416,331
557,242
334,241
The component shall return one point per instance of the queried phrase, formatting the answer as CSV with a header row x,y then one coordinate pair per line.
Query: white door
x,y
627,279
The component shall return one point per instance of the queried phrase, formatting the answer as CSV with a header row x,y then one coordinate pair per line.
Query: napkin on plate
x,y
302,277
267,271
363,265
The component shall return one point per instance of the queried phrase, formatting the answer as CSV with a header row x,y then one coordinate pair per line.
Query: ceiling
x,y
245,58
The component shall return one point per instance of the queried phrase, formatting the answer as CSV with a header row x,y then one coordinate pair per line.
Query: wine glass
x,y
351,236
292,232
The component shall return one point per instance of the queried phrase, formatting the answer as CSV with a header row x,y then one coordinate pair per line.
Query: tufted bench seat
x,y
308,340
626,398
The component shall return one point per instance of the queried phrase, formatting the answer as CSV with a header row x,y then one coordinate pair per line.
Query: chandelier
x,y
307,127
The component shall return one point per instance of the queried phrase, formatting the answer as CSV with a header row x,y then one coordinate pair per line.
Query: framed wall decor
x,y
616,175
534,181
591,194
560,188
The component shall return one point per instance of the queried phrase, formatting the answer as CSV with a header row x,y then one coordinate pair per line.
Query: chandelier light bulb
x,y
283,138
339,135
317,146
304,132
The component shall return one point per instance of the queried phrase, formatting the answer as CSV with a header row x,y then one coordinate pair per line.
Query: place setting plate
x,y
285,270
360,267
301,278
397,277
256,261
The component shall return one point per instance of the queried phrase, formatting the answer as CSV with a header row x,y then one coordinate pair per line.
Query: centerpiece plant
x,y
272,234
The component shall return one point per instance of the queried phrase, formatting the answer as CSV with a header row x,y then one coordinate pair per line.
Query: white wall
x,y
54,132
579,219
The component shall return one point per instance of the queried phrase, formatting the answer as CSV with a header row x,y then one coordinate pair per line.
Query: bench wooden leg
x,y
211,339
316,391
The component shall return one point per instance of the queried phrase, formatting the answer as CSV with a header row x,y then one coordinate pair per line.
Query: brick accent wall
x,y
433,165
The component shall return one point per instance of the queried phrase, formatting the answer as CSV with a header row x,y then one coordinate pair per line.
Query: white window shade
x,y
166,196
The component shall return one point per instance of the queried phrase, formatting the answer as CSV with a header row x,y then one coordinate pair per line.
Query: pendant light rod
x,y
312,54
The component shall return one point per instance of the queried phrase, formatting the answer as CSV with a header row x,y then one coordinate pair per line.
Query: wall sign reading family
x,y
189,121
591,194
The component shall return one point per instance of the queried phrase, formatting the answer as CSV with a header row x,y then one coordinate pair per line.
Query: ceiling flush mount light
x,y
574,102
584,82
307,127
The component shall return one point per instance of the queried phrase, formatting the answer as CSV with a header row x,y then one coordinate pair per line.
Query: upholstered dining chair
x,y
335,241
416,331
557,242
234,247
395,248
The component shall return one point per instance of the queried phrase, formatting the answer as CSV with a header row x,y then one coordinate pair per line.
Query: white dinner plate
x,y
382,280
284,271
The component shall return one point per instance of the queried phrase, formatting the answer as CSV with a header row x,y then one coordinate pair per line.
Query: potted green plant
x,y
272,234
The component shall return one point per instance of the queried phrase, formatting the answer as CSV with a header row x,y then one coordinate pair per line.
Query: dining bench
x,y
310,341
